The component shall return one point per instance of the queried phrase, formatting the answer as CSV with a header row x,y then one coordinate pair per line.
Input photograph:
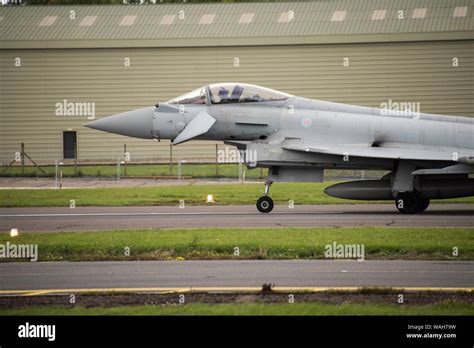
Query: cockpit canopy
x,y
227,93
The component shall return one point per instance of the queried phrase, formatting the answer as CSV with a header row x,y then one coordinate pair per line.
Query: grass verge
x,y
224,194
428,243
300,309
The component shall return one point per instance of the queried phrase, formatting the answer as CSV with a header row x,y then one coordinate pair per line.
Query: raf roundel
x,y
306,122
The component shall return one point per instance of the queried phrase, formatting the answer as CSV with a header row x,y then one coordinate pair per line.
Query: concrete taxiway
x,y
44,277
101,218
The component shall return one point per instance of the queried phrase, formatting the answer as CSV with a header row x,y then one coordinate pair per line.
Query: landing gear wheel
x,y
265,204
423,204
411,203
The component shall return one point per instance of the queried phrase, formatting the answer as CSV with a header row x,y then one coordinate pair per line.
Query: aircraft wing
x,y
392,151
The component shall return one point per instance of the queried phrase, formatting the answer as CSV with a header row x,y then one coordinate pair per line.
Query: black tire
x,y
411,203
265,204
423,204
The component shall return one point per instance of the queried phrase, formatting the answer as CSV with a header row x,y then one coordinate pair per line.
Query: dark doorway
x,y
69,145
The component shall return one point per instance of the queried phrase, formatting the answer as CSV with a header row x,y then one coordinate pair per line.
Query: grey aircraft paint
x,y
430,156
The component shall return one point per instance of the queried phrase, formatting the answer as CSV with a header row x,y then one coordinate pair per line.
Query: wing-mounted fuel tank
x,y
429,187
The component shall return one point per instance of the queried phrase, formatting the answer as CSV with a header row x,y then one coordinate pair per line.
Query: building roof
x,y
235,24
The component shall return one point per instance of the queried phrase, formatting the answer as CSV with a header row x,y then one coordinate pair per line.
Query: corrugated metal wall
x,y
403,72
214,24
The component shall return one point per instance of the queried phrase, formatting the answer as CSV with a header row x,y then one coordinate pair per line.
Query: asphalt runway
x,y
232,273
103,218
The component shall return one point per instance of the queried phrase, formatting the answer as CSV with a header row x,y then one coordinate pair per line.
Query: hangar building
x,y
61,65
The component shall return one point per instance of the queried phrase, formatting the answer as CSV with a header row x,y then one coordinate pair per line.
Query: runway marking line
x,y
161,214
228,289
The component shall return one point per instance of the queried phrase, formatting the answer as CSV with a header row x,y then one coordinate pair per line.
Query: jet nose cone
x,y
136,123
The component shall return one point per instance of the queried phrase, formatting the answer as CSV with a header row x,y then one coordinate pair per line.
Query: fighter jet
x,y
428,156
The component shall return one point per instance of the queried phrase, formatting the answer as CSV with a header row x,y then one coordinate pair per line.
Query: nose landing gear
x,y
265,203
